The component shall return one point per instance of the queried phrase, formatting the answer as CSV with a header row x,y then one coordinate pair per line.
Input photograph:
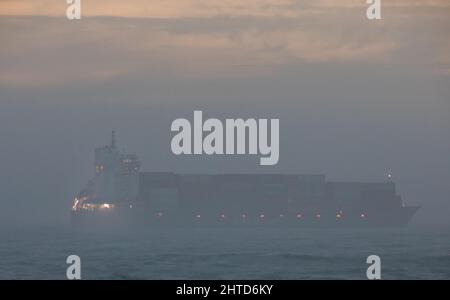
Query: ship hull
x,y
141,218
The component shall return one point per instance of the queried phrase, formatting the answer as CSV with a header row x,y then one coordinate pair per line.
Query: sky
x,y
356,99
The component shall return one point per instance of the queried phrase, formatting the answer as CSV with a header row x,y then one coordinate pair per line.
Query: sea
x,y
226,253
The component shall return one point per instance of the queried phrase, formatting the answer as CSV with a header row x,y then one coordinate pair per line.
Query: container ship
x,y
121,195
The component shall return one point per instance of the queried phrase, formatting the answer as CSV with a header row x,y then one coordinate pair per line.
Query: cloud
x,y
47,50
206,39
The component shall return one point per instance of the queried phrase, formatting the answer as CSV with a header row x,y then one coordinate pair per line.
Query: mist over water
x,y
252,253
48,156
346,131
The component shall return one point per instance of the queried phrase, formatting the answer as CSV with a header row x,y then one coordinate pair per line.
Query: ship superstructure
x,y
115,182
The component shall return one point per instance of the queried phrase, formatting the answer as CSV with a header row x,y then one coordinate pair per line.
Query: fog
x,y
355,117
48,135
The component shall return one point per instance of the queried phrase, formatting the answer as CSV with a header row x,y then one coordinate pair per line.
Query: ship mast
x,y
113,139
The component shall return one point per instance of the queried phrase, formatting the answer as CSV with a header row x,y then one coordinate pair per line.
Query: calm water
x,y
226,254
